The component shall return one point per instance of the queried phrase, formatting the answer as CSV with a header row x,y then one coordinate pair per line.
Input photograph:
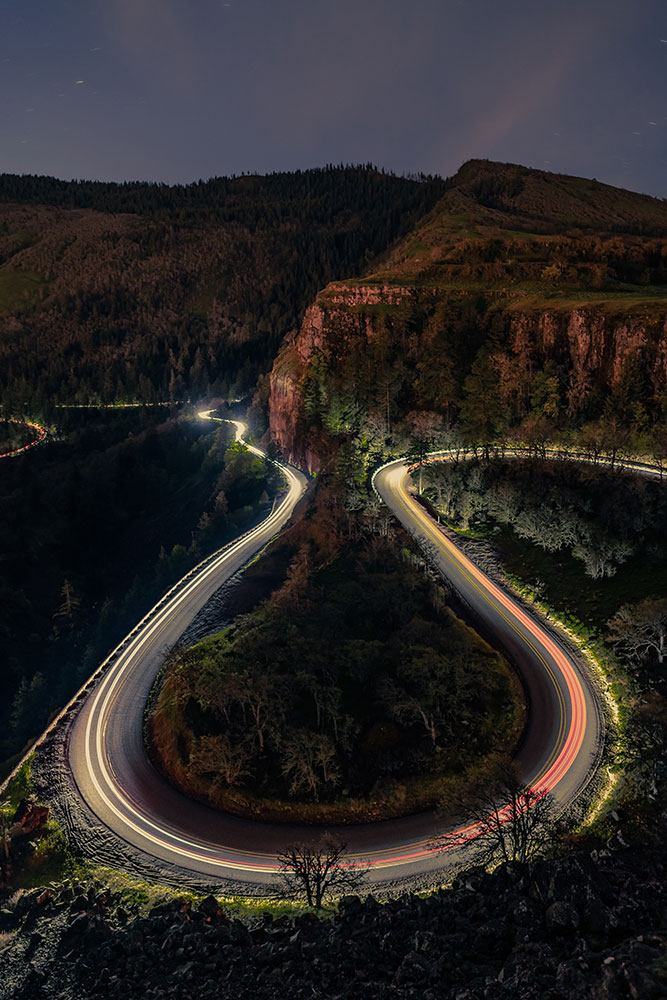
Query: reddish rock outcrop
x,y
594,344
30,817
285,402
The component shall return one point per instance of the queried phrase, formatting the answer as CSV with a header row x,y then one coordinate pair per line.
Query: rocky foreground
x,y
590,925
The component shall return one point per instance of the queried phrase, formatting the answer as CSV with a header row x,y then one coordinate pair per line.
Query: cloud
x,y
159,35
541,79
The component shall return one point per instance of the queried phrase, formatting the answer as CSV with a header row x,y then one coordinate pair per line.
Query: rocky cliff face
x,y
285,403
513,270
596,347
336,323
591,925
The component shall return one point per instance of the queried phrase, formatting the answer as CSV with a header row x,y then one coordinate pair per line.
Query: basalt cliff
x,y
523,299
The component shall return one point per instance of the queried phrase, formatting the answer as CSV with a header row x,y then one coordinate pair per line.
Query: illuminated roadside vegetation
x,y
14,435
585,543
46,858
354,692
600,536
32,854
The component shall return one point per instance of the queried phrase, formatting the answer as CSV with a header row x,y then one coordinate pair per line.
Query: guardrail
x,y
559,454
91,682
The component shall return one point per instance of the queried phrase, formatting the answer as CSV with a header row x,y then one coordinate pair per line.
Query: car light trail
x,y
128,804
103,700
554,769
41,434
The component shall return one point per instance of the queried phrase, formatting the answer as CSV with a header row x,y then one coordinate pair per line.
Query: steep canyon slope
x,y
523,299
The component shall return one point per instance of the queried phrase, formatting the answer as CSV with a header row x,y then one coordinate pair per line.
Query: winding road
x,y
40,432
118,783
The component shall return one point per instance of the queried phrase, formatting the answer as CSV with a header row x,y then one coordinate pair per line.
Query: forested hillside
x,y
147,292
525,303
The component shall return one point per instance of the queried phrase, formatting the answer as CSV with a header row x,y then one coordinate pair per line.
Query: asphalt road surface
x,y
115,778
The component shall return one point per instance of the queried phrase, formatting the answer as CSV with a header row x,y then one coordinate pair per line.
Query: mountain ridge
x,y
153,293
466,289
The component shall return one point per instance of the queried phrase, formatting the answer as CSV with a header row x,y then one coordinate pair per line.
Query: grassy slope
x,y
527,219
18,289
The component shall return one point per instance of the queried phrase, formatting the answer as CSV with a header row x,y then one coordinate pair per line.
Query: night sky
x,y
177,90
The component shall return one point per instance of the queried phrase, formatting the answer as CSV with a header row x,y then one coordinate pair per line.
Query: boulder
x,y
562,918
30,817
209,907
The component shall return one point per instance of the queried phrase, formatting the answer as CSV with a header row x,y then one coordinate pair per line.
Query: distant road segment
x,y
40,435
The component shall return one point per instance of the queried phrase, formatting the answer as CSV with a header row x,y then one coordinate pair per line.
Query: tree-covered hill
x,y
144,291
352,692
525,301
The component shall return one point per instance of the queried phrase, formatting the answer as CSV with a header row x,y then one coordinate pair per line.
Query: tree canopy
x,y
352,679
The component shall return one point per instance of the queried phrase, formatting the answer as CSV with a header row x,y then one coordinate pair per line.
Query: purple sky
x,y
177,90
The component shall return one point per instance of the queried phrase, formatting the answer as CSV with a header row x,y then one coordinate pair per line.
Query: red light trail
x,y
41,434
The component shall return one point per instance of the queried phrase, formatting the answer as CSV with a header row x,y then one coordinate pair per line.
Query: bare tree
x,y
642,755
378,519
509,822
426,691
603,556
318,871
423,436
639,629
70,604
309,759
221,759
260,696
